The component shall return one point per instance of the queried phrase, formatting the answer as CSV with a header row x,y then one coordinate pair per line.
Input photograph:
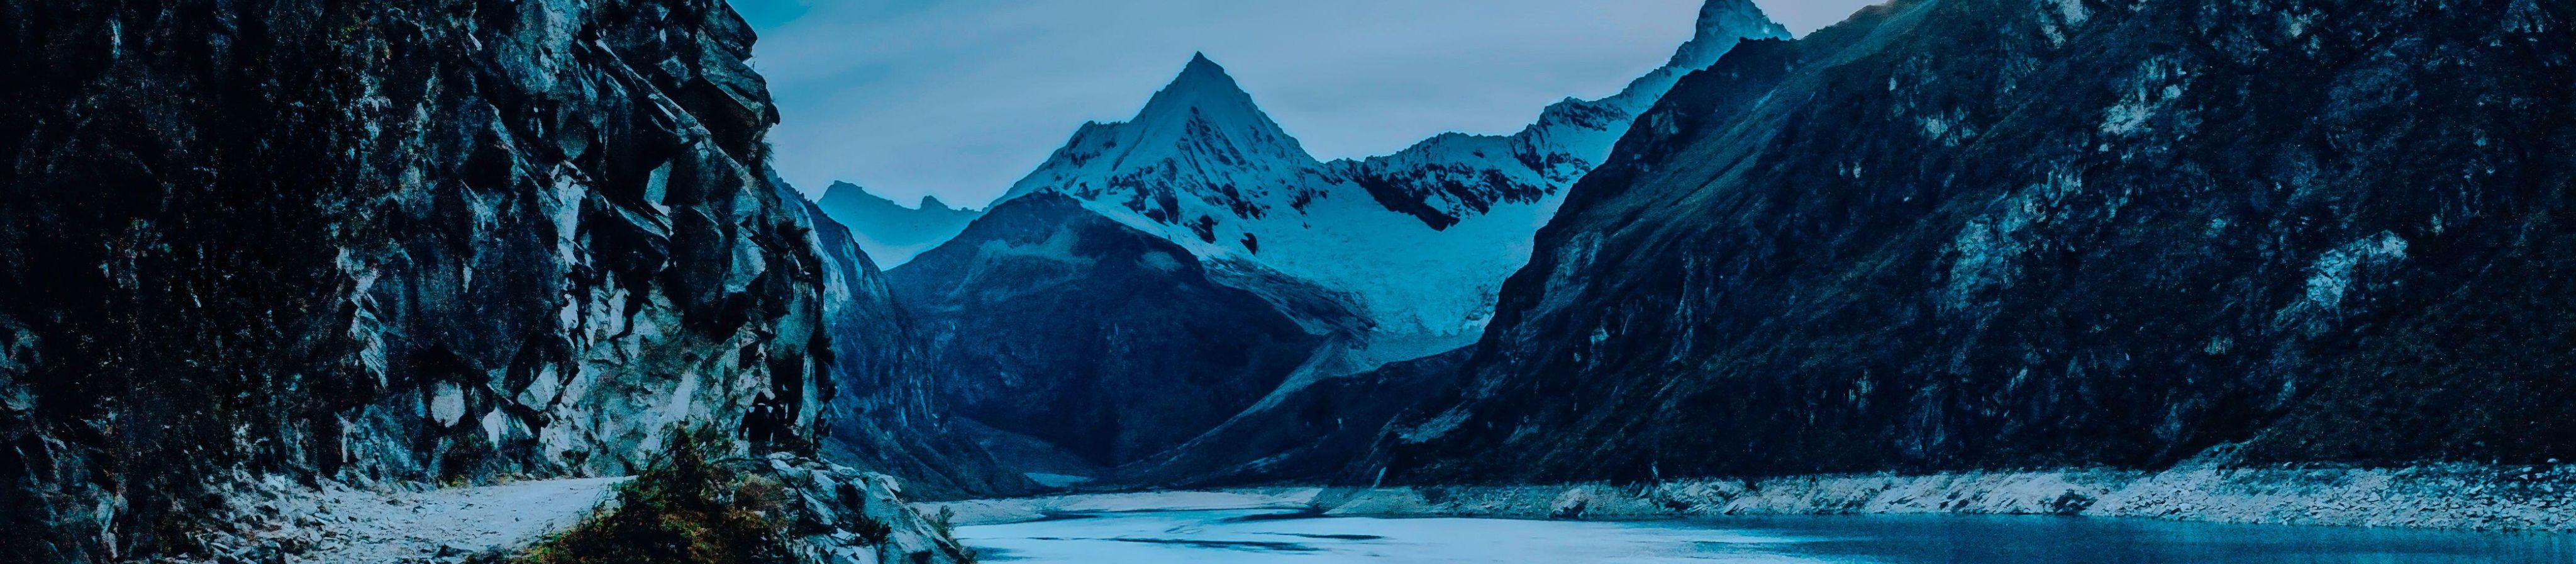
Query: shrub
x,y
684,509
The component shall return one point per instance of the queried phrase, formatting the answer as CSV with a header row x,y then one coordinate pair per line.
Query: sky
x,y
960,98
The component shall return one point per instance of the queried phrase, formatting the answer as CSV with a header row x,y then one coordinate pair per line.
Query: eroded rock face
x,y
2000,233
375,241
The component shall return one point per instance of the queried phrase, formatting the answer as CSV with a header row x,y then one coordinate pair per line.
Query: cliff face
x,y
262,242
1963,234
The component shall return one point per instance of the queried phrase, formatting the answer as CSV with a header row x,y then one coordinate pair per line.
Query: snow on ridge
x,y
1423,238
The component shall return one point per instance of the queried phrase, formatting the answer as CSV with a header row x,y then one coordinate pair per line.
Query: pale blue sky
x,y
959,98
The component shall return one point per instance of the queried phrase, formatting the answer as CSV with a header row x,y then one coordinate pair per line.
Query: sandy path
x,y
445,525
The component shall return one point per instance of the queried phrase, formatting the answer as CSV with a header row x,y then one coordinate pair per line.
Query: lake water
x,y
1275,536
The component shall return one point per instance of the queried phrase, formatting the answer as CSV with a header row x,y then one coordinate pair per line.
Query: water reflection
x,y
1258,536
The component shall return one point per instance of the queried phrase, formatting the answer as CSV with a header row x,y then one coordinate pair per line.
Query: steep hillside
x,y
1305,435
260,247
1046,320
888,416
888,232
1975,234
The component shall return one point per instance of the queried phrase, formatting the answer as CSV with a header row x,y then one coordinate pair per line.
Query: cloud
x,y
959,98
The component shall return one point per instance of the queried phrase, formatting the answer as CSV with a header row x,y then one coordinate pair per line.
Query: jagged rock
x,y
846,516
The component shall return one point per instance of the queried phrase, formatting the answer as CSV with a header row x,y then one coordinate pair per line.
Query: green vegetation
x,y
684,510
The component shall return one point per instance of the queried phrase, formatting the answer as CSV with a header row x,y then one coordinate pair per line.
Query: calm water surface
x,y
1272,536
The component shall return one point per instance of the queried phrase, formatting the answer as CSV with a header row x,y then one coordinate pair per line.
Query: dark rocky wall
x,y
373,241
1974,234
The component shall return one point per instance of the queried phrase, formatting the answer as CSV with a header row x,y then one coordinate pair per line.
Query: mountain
x,y
265,251
1305,435
1199,139
887,416
1989,234
1342,250
891,233
1415,243
1049,321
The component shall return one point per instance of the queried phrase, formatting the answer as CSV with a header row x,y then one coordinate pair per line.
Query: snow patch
x,y
2331,277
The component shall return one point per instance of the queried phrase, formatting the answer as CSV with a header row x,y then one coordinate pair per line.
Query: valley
x,y
521,282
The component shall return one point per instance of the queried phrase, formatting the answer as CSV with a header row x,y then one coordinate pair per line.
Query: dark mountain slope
x,y
1046,319
1997,234
1304,435
889,417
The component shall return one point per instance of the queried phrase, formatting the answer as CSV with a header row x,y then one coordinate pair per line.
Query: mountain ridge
x,y
1203,168
887,231
2049,238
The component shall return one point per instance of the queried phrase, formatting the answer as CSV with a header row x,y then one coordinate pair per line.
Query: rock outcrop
x,y
846,516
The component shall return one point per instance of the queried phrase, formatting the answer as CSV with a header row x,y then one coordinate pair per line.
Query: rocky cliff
x,y
252,244
1981,234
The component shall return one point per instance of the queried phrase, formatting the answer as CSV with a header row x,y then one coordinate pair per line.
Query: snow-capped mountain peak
x,y
1204,91
1200,149
1417,243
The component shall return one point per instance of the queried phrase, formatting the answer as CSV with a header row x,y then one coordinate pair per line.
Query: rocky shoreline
x,y
2471,497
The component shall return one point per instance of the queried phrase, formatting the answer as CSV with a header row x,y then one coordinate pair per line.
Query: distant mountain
x,y
1417,243
891,233
1374,262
